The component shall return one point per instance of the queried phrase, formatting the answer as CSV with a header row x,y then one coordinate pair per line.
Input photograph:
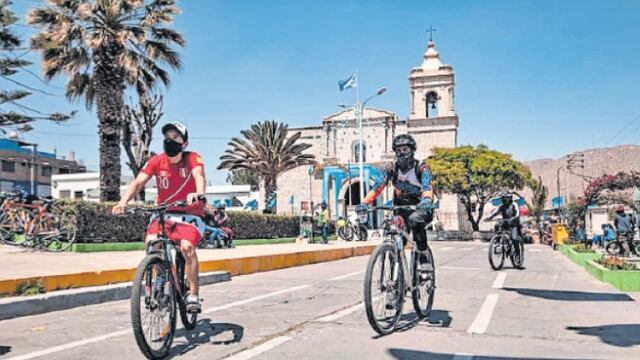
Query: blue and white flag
x,y
351,81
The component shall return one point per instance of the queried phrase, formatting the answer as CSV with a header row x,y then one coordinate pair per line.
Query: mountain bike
x,y
502,245
349,231
615,248
391,276
160,288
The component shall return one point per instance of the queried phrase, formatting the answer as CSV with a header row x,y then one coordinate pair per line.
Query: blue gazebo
x,y
339,176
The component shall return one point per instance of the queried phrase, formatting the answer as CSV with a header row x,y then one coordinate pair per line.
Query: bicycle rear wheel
x,y
153,308
13,225
384,290
496,253
189,320
517,254
347,232
424,285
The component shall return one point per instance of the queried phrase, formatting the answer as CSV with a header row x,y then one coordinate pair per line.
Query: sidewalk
x,y
57,271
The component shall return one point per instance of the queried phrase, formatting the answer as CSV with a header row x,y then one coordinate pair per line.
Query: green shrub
x,y
95,223
582,248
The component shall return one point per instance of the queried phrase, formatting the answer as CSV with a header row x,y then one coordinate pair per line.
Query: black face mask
x,y
404,160
172,148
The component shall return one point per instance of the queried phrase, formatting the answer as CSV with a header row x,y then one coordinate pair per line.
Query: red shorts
x,y
177,231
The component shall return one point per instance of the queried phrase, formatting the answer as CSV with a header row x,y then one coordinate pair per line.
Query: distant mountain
x,y
597,162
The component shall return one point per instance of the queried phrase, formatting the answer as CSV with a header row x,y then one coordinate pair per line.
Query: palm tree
x,y
103,46
267,151
13,111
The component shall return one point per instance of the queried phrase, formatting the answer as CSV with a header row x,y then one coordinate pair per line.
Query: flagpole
x,y
359,110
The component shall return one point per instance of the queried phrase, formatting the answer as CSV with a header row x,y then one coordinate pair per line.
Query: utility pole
x,y
575,161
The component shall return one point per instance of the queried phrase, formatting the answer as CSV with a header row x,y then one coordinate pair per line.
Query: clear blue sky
x,y
534,78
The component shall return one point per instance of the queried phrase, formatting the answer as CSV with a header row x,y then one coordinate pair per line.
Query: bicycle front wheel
x,y
613,248
384,289
424,284
54,233
517,255
496,253
153,308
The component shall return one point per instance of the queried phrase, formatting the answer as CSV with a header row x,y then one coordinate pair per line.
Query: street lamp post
x,y
358,108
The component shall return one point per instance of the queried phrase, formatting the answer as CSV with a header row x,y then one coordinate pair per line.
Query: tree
x,y
244,177
267,150
10,64
137,132
539,197
476,174
103,46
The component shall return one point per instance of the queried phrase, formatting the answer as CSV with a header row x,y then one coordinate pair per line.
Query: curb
x,y
235,266
66,299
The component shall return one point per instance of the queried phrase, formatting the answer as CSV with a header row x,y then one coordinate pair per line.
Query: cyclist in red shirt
x,y
179,176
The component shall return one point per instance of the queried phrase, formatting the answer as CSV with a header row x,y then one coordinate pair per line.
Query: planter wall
x,y
581,259
623,280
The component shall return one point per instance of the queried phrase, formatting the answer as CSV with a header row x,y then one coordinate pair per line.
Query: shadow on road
x,y
622,335
207,333
4,349
569,295
437,318
405,354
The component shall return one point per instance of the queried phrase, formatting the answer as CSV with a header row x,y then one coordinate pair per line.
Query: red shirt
x,y
175,181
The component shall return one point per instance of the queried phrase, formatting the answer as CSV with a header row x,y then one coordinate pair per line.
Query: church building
x,y
433,122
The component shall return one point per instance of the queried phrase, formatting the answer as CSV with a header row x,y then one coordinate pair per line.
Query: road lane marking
x,y
462,356
345,276
446,248
499,282
76,344
445,267
466,249
70,345
481,322
255,298
535,250
341,313
253,352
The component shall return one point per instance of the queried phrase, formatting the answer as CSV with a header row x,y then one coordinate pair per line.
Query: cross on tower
x,y
430,30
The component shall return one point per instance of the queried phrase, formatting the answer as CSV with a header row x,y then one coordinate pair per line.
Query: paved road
x,y
551,310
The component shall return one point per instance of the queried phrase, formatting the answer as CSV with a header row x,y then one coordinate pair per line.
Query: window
x,y
46,170
431,104
78,195
8,166
65,194
64,171
356,152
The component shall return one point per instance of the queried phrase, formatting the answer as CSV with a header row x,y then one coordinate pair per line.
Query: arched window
x,y
431,100
356,151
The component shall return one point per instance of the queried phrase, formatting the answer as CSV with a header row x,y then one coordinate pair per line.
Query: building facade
x,y
22,165
433,122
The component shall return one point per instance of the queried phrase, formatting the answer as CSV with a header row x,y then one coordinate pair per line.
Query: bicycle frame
x,y
394,233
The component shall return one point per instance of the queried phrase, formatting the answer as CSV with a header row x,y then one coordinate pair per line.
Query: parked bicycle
x,y
390,276
349,231
502,245
29,222
159,289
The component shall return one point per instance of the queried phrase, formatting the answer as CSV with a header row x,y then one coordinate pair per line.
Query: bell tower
x,y
432,88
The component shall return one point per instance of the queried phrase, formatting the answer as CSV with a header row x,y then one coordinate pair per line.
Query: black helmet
x,y
506,197
404,140
405,161
323,204
221,206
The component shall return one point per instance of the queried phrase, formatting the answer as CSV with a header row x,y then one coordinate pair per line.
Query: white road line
x,y
535,250
458,268
70,345
446,248
345,276
499,282
75,344
341,313
462,356
466,249
256,298
253,352
481,322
